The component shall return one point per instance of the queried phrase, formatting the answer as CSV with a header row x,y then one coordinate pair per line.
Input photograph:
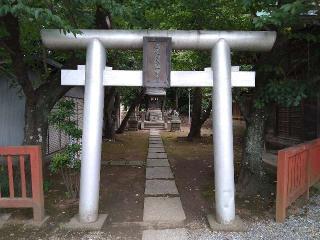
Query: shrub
x,y
67,162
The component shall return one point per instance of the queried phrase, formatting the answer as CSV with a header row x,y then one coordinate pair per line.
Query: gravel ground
x,y
303,225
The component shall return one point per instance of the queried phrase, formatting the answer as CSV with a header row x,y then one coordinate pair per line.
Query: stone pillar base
x,y
75,224
235,226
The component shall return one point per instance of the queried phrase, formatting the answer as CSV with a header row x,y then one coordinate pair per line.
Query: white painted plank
x,y
178,78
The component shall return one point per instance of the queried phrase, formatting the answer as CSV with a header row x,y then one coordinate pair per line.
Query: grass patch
x,y
129,146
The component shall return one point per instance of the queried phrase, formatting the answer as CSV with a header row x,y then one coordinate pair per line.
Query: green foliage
x,y
47,185
290,74
285,93
68,158
67,161
61,118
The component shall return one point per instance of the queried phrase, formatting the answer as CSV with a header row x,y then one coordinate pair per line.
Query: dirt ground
x,y
122,188
192,163
121,196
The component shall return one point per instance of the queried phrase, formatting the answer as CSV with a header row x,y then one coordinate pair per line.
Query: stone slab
x,y
155,141
159,173
161,187
4,217
156,150
157,155
158,163
165,234
155,138
75,224
156,145
163,210
235,226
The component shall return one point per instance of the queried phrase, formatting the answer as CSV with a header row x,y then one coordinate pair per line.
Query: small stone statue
x,y
175,115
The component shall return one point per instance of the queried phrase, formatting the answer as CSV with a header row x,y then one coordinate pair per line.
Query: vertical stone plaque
x,y
156,62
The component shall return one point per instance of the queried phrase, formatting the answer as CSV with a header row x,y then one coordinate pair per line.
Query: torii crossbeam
x,y
219,42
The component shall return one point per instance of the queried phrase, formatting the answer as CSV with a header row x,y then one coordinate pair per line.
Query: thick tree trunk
x,y
37,111
196,123
39,101
36,125
253,178
133,106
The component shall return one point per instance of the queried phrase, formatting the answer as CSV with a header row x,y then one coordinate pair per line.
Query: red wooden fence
x,y
298,169
36,200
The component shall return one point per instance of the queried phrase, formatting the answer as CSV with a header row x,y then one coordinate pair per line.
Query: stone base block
x,y
75,224
236,226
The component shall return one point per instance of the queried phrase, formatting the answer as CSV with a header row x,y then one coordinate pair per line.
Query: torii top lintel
x,y
181,39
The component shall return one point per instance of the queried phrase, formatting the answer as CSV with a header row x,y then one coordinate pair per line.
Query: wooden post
x,y
37,183
282,183
318,117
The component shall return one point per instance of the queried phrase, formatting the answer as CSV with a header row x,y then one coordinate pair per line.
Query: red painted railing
x,y
18,156
298,169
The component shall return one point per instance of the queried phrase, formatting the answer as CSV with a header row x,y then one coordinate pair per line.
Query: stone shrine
x,y
154,116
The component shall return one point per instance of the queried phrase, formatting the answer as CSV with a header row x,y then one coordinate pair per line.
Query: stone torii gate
x,y
219,42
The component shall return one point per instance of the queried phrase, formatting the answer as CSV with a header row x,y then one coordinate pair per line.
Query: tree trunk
x,y
117,109
133,106
36,125
40,100
176,99
252,178
37,110
109,113
195,128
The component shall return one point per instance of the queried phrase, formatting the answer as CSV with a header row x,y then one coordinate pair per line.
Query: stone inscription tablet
x,y
156,62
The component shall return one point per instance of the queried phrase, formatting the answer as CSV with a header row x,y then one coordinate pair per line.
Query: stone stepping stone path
x,y
162,204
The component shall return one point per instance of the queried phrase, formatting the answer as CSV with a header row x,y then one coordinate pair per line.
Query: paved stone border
x,y
123,163
166,234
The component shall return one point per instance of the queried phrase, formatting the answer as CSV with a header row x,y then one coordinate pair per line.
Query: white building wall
x,y
12,109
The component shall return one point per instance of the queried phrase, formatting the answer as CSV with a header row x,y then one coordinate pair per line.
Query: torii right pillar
x,y
223,141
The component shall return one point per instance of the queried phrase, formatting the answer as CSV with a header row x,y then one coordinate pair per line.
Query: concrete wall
x,y
12,108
